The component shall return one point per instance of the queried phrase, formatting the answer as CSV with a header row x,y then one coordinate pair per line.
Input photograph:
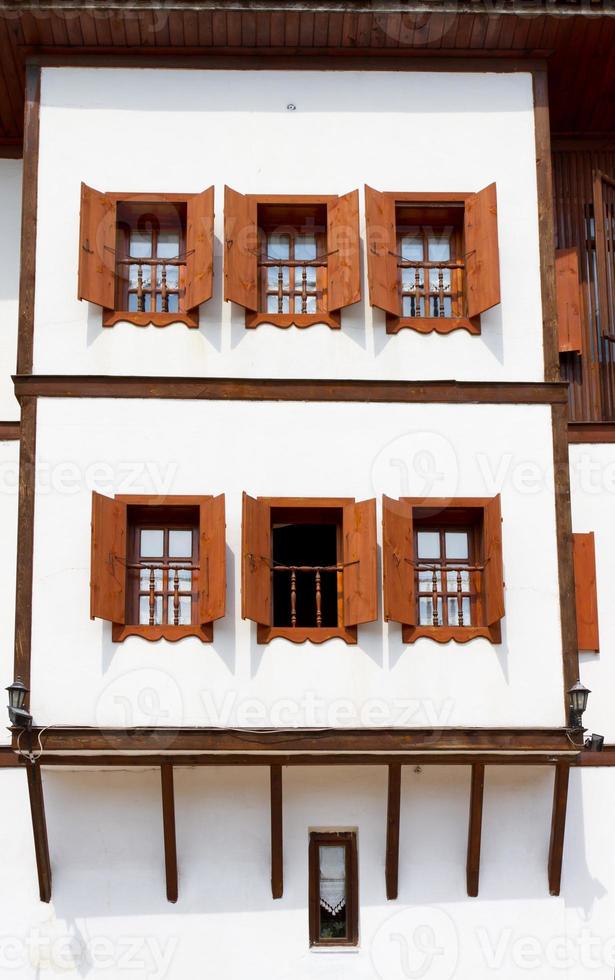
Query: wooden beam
x,y
39,830
475,825
558,826
25,329
392,846
277,838
25,542
168,823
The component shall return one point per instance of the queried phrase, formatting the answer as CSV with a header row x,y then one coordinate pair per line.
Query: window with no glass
x,y
333,889
307,572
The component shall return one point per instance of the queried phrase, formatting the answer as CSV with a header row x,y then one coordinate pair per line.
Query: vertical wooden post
x,y
168,824
39,830
475,825
277,842
392,845
558,826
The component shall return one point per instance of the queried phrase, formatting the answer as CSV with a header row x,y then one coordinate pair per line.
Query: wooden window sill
x,y
433,324
301,320
444,634
111,317
309,634
203,632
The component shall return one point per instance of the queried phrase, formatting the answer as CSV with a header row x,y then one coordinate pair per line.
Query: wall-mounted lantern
x,y
20,716
578,694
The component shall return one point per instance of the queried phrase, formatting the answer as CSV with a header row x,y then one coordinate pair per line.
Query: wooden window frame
x,y
284,320
348,839
466,523
144,319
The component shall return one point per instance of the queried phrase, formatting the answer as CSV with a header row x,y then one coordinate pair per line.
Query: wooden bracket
x,y
392,845
39,830
168,824
277,840
475,824
558,826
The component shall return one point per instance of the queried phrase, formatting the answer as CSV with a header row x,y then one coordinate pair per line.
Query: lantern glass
x,y
578,697
17,694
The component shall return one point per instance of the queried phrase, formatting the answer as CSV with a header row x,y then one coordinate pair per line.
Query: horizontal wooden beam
x,y
293,389
39,830
558,826
475,826
9,431
392,841
277,832
305,740
591,432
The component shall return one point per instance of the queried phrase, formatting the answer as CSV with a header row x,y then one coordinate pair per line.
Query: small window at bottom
x,y
333,889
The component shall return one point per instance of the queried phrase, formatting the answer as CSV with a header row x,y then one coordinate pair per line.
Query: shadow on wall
x,y
10,208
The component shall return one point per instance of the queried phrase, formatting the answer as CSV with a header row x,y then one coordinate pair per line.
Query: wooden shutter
x,y
199,248
108,560
360,563
256,561
493,573
343,264
568,296
97,248
481,251
585,591
381,251
212,560
397,556
240,249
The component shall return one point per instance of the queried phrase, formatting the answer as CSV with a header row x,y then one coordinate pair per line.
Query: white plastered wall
x,y
292,449
592,484
109,913
181,131
9,484
10,236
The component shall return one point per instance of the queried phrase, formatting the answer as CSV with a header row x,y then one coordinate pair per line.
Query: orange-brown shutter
x,y
200,248
97,248
212,560
585,591
493,573
568,296
397,557
343,264
481,251
240,249
256,561
360,563
381,251
108,561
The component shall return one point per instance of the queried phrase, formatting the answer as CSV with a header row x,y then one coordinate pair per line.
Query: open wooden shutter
x,y
200,248
256,561
360,563
493,574
108,560
481,251
381,248
397,557
97,225
343,264
568,297
240,249
604,234
585,591
212,560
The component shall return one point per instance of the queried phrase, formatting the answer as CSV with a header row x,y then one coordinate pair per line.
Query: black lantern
x,y
20,718
578,694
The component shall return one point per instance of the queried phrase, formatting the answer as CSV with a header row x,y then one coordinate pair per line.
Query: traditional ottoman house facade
x,y
307,490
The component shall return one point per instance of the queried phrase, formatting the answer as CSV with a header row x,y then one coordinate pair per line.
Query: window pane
x,y
426,580
451,581
411,307
185,610
332,861
310,304
144,610
168,244
173,303
140,244
278,247
439,248
412,248
144,579
172,276
452,612
428,544
272,278
272,304
426,611
305,247
152,544
457,544
180,544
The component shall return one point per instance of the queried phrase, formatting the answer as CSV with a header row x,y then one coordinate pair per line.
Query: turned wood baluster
x,y
318,599
293,597
440,292
176,597
152,595
140,293
280,289
164,291
434,597
304,289
417,291
459,600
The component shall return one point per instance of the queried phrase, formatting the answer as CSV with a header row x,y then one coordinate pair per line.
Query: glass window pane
x,y
456,543
144,579
278,247
428,544
180,544
132,302
412,248
185,610
152,544
305,247
140,244
272,278
173,303
426,580
144,610
451,581
310,304
168,244
410,306
452,612
332,860
273,306
172,276
439,248
426,611
184,579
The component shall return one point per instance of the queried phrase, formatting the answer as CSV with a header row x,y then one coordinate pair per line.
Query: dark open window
x,y
307,570
151,257
333,889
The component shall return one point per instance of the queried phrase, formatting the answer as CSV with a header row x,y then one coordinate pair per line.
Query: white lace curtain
x,y
333,878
